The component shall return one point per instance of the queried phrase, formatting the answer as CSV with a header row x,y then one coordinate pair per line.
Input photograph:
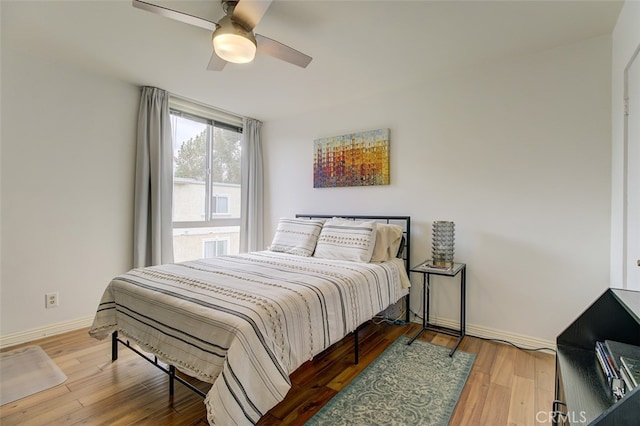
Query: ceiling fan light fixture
x,y
233,43
234,48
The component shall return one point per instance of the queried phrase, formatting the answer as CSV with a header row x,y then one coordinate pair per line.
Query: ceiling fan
x,y
233,37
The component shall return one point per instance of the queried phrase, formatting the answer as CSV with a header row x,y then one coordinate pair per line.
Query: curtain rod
x,y
183,98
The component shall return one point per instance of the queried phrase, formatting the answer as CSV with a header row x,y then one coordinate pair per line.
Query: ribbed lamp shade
x,y
442,248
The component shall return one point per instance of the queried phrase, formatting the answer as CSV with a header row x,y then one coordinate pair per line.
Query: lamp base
x,y
442,264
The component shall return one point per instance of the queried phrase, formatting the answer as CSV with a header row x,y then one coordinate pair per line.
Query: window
x,y
220,204
213,248
206,181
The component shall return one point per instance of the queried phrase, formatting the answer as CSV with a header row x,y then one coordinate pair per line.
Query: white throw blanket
x,y
245,322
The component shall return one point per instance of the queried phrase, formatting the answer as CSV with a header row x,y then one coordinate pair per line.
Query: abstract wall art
x,y
354,159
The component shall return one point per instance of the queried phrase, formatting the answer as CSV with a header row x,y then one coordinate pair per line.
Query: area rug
x,y
26,371
406,385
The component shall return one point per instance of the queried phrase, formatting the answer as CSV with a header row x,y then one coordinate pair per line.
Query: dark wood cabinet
x,y
582,394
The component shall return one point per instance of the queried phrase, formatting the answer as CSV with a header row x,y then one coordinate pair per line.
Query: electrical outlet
x,y
51,300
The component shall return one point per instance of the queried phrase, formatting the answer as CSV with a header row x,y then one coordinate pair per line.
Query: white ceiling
x,y
358,47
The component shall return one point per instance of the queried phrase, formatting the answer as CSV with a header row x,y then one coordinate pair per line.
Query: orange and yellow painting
x,y
355,159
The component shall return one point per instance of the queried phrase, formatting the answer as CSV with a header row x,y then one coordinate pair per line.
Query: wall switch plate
x,y
51,300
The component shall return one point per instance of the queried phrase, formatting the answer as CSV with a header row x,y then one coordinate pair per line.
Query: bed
x,y
244,323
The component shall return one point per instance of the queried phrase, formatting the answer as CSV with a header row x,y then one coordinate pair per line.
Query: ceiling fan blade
x,y
216,63
278,50
174,14
250,12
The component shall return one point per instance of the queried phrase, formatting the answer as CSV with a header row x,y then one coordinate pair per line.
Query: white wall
x,y
68,150
625,41
517,153
1,120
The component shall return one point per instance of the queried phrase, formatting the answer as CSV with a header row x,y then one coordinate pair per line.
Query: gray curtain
x,y
153,239
252,202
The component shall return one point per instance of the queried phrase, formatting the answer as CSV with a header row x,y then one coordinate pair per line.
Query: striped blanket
x,y
245,322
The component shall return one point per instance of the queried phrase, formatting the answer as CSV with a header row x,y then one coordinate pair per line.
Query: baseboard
x,y
472,330
39,333
520,340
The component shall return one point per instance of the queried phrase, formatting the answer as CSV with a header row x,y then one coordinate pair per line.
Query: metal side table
x,y
426,269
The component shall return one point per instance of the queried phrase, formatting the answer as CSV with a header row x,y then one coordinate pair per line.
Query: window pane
x,y
220,204
209,249
223,205
189,169
226,156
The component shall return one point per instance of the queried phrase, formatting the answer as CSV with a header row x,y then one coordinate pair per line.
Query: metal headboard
x,y
403,221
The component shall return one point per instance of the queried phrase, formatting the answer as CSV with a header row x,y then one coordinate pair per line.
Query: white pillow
x,y
344,239
388,238
296,236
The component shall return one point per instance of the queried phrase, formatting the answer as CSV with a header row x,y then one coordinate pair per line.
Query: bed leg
x,y
408,308
172,376
355,344
114,346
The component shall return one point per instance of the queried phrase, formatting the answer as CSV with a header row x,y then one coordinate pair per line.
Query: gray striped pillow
x,y
296,236
347,240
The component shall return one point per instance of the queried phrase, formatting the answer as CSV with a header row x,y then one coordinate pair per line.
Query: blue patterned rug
x,y
406,385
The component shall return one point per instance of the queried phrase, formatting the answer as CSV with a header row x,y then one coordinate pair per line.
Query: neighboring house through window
x,y
206,181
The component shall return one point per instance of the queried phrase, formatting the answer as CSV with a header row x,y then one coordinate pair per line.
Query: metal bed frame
x,y
403,253
170,370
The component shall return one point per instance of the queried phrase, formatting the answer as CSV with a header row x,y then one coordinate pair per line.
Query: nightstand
x,y
427,270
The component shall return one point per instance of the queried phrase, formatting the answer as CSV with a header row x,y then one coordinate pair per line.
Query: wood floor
x,y
506,386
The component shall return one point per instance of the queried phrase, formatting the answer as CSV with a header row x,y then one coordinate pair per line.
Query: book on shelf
x,y
619,349
609,369
631,367
606,361
620,363
628,383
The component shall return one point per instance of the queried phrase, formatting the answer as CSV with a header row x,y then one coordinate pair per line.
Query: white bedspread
x,y
245,322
